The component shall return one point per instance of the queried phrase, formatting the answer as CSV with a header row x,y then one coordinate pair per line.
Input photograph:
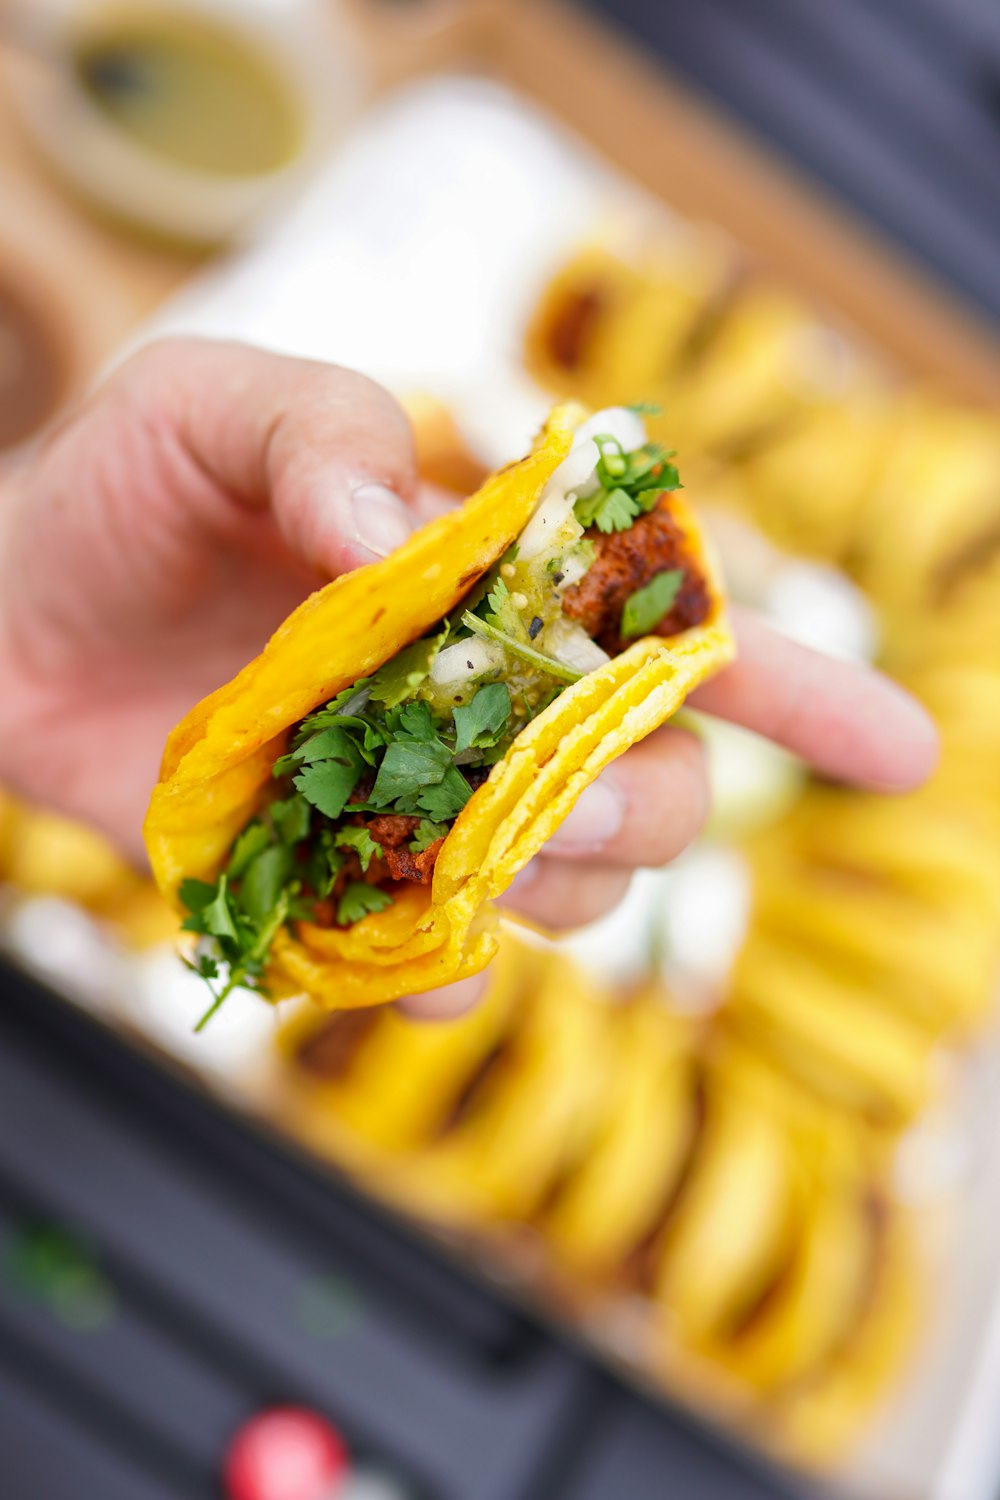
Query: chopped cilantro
x,y
497,598
426,834
629,484
217,918
241,938
443,801
324,864
492,602
254,838
483,722
360,899
328,784
403,674
647,606
408,765
291,819
197,894
608,510
361,841
414,720
264,881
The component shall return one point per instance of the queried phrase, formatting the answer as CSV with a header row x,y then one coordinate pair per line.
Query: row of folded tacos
x,y
873,940
608,1146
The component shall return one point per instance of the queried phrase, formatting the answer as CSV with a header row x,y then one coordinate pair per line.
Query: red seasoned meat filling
x,y
625,561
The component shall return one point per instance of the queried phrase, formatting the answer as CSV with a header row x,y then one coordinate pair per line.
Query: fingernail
x,y
380,521
595,820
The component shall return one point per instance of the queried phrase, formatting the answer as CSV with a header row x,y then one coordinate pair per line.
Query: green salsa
x,y
197,95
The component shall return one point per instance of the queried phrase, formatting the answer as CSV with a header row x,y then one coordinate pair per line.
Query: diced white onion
x,y
572,567
466,660
617,422
570,644
552,523
576,476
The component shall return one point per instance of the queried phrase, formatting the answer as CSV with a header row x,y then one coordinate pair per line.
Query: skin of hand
x,y
151,543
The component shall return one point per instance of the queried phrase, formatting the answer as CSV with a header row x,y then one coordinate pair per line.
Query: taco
x,y
338,819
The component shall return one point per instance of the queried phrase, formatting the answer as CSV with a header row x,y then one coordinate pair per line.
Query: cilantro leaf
x,y
197,894
324,864
483,722
333,742
415,720
445,800
608,510
246,956
648,467
361,841
255,837
425,834
264,881
328,784
629,484
647,606
217,917
409,765
204,965
498,599
291,819
335,709
403,674
360,899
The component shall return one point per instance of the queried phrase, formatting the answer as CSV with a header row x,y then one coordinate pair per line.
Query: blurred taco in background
x,y
338,819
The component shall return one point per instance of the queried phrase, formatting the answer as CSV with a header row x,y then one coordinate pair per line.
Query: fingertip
x,y
449,1001
909,746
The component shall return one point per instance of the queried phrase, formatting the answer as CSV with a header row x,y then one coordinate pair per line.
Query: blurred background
x,y
704,1200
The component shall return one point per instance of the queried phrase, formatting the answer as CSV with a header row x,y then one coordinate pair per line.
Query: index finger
x,y
849,721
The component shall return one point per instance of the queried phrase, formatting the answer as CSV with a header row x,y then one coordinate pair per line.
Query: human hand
x,y
155,540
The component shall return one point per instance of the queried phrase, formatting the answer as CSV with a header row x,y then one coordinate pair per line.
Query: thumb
x,y
326,450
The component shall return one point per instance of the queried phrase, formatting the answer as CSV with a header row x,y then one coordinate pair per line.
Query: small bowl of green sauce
x,y
188,116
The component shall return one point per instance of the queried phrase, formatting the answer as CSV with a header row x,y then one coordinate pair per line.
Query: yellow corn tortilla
x,y
216,770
